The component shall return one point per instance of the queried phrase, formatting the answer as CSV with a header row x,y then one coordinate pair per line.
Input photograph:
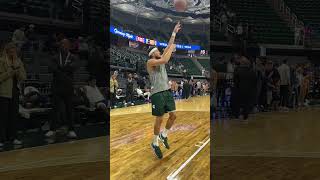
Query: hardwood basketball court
x,y
275,145
77,160
131,133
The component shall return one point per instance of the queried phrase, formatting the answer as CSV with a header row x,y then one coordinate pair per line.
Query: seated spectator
x,y
95,97
32,97
145,95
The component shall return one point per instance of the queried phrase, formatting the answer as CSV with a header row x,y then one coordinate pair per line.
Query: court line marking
x,y
175,173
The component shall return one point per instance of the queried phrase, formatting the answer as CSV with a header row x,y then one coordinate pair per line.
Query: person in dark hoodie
x,y
245,82
63,66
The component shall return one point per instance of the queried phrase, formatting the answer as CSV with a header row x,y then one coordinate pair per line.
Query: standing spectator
x,y
63,67
295,87
297,35
230,69
272,80
113,88
31,36
245,83
129,90
203,71
240,31
141,82
83,48
19,37
284,71
198,88
213,85
12,72
305,87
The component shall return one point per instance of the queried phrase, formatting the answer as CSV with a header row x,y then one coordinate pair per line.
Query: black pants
x,y
284,95
112,99
129,95
187,93
63,111
9,110
242,101
246,108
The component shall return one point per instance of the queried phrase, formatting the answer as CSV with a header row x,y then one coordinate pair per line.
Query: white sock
x,y
165,132
155,140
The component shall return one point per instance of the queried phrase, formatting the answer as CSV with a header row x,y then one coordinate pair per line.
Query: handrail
x,y
293,19
217,20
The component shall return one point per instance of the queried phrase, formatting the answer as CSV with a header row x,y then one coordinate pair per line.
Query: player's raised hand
x,y
177,27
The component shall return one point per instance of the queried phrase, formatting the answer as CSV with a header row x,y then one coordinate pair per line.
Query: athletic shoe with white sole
x,y
72,134
17,142
50,134
164,141
156,151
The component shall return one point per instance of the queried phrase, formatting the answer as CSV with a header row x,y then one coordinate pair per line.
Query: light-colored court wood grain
x,y
71,161
270,146
131,134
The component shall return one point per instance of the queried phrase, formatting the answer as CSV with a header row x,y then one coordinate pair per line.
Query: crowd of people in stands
x,y
262,85
62,98
129,88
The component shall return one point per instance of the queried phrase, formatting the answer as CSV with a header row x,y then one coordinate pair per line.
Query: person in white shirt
x,y
240,30
199,88
95,97
146,95
230,70
31,97
284,71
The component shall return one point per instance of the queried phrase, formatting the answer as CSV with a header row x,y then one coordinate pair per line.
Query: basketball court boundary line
x,y
175,173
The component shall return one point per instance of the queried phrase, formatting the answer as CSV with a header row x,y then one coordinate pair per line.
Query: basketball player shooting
x,y
161,97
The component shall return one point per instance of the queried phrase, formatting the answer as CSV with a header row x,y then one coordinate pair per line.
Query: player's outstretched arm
x,y
173,36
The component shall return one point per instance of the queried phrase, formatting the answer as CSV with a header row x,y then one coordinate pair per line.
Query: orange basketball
x,y
180,5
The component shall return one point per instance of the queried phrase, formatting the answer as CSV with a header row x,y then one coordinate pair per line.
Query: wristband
x,y
173,34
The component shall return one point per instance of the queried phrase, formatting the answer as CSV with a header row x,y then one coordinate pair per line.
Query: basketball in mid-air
x,y
180,5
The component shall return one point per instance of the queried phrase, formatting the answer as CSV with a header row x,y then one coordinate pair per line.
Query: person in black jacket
x,y
129,90
245,83
63,66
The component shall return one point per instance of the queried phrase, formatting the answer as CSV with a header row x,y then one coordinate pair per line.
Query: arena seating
x,y
269,27
124,58
191,68
205,63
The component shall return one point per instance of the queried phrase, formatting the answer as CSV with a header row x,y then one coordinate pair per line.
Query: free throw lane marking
x,y
175,173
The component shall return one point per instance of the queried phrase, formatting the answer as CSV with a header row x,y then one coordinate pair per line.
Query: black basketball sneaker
x,y
157,151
